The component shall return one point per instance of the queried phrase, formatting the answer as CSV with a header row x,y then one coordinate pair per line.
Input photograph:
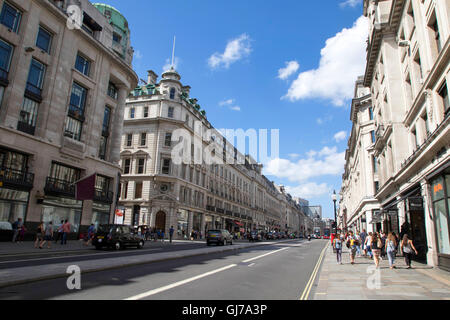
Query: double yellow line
x,y
313,275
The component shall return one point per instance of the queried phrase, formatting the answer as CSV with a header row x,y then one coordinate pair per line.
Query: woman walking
x,y
337,245
391,249
407,247
351,244
376,245
39,235
368,244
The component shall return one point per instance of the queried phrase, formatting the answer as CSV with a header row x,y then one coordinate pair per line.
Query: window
x,y
375,164
125,190
425,122
27,117
170,112
443,92
415,138
127,166
105,133
10,17
141,166
64,173
75,117
145,112
168,140
172,93
166,166
370,113
6,51
434,34
129,139
116,37
112,90
35,79
44,40
138,190
132,113
143,138
372,134
82,64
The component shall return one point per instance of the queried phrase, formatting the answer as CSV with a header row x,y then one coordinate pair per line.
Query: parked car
x,y
219,237
255,236
270,236
117,237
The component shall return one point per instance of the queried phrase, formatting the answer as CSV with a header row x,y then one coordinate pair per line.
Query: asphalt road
x,y
277,271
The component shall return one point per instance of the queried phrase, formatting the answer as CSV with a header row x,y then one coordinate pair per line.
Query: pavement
x,y
49,264
362,281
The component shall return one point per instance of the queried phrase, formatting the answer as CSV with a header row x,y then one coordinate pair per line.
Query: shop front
x,y
208,223
57,209
196,221
440,196
13,205
182,224
100,213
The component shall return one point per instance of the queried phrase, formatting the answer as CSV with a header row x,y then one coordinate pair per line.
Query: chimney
x,y
186,89
152,77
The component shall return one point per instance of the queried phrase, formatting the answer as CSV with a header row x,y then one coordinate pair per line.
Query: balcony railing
x,y
210,208
16,178
25,127
103,196
219,210
228,213
59,187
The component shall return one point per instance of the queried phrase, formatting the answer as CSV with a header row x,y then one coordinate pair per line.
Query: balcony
x,y
25,127
210,208
103,196
228,213
59,187
219,210
16,179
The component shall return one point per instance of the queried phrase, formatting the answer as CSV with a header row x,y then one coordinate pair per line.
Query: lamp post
x,y
334,198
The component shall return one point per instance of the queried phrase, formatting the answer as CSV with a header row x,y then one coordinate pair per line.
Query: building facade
x,y
192,195
407,73
65,75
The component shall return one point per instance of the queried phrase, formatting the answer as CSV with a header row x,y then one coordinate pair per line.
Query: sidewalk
x,y
362,282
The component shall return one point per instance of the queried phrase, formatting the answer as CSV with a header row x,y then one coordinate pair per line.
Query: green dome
x,y
116,18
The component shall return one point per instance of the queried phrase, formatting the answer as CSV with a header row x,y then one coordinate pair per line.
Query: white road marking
x,y
74,256
179,283
251,264
264,255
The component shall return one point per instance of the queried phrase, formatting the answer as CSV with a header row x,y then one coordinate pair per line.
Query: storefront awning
x,y
238,223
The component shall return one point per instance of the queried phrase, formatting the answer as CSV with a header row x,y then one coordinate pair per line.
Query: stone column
x,y
190,223
432,258
117,126
203,223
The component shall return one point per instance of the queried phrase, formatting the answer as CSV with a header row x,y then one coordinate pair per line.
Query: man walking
x,y
17,226
363,236
59,231
66,231
171,233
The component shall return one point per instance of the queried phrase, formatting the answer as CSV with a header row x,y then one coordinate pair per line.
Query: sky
x,y
286,64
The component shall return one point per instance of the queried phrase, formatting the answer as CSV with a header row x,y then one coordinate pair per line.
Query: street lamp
x,y
334,198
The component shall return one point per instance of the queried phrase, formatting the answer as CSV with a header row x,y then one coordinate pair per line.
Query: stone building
x,y
407,74
65,73
191,196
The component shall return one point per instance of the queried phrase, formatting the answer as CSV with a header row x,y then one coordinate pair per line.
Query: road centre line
x,y
179,283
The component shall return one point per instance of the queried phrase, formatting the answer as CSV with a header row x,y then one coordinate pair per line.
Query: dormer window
x,y
172,93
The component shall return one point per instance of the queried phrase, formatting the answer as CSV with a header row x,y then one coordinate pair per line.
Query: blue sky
x,y
232,54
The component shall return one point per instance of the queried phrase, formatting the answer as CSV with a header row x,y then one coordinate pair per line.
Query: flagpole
x,y
173,50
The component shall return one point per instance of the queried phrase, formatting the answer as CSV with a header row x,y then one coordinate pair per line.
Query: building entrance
x,y
160,222
417,230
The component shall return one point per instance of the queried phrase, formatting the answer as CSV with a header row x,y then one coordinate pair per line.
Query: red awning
x,y
238,223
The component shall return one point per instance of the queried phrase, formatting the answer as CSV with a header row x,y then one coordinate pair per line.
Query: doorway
x,y
160,222
416,215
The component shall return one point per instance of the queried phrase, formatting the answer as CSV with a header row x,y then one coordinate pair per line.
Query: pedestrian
x,y
39,235
391,245
375,246
59,231
22,231
162,236
90,235
48,236
368,244
66,231
407,247
171,230
351,244
358,244
337,246
17,226
397,241
383,245
363,236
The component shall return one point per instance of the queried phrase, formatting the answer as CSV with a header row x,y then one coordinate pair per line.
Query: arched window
x,y
172,93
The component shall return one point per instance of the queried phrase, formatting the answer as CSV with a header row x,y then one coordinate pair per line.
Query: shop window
x,y
441,202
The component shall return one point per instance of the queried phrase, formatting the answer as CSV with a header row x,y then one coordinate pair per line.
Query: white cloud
x,y
325,119
138,55
309,190
235,50
291,68
327,161
235,108
350,3
226,102
342,61
340,136
293,155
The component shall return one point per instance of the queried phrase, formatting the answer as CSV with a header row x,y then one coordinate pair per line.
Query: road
x,y
276,271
